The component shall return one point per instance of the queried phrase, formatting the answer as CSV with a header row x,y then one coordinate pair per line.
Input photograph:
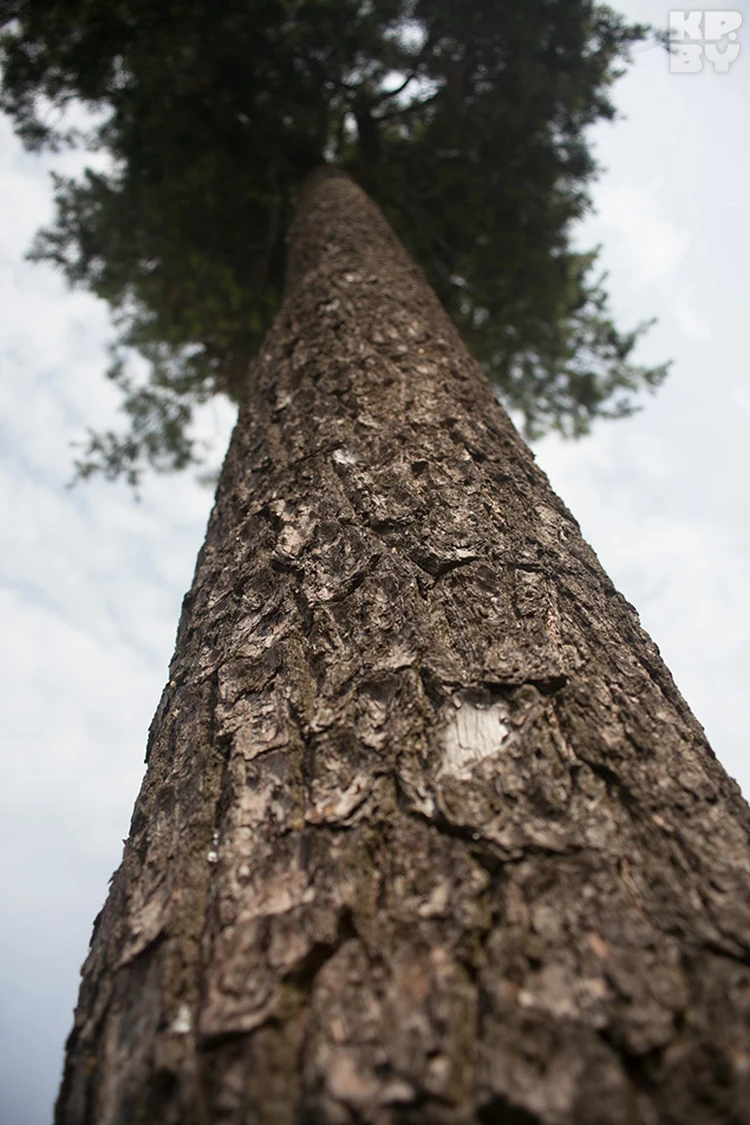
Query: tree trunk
x,y
427,834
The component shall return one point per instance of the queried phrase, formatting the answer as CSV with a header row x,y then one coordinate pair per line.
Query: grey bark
x,y
427,833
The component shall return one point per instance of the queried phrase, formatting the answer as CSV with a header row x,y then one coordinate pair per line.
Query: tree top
x,y
468,124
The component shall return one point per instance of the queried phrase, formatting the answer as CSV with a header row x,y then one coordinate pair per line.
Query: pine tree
x,y
427,833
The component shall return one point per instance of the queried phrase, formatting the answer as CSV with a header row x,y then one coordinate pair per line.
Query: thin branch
x,y
425,50
407,109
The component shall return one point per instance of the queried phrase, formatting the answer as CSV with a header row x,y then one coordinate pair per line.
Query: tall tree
x,y
427,834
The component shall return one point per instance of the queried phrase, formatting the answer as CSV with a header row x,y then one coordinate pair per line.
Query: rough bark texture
x,y
427,834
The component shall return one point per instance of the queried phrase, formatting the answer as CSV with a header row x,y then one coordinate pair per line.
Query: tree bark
x,y
427,835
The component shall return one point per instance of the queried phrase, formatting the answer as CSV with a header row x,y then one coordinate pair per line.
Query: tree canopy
x,y
467,123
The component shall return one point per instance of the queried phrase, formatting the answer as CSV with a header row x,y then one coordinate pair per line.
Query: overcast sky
x,y
91,583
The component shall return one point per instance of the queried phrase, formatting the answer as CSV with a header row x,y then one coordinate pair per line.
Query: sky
x,y
91,582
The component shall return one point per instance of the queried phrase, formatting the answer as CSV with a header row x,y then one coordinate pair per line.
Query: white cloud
x,y
636,228
690,320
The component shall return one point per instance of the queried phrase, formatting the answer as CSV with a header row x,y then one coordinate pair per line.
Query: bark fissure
x,y
427,836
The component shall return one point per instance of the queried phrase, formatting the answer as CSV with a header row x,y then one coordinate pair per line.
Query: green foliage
x,y
467,123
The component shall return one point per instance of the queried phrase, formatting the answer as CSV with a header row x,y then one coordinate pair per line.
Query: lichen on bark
x,y
427,834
